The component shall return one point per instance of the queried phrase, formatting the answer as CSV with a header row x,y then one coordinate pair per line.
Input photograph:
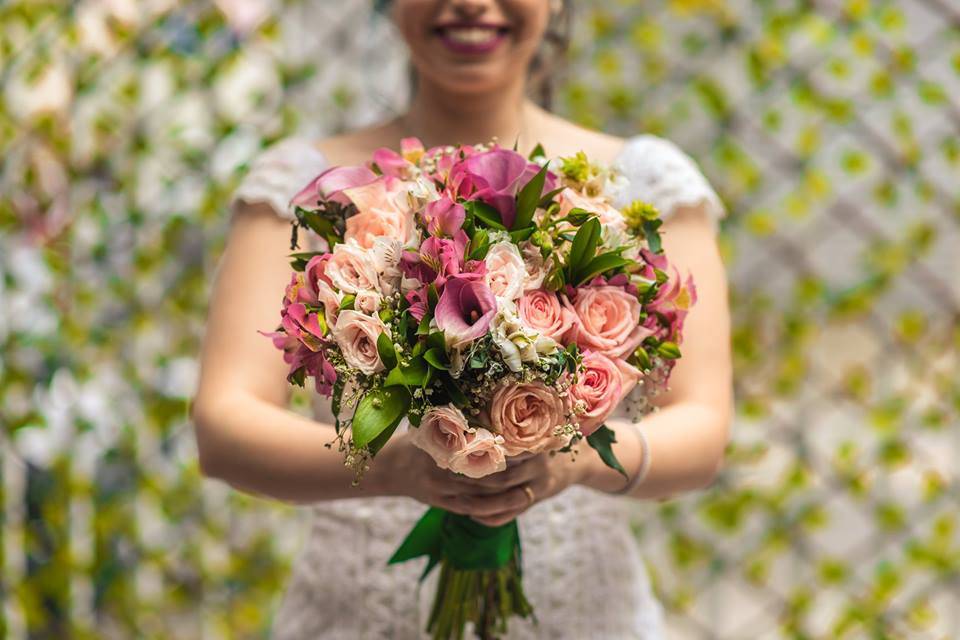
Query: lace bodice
x,y
582,569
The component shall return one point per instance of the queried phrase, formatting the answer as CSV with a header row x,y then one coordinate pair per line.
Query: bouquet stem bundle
x,y
480,573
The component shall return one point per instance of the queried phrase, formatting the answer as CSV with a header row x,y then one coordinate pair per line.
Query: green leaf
x,y
437,340
347,302
388,356
379,410
413,374
437,358
479,245
584,246
528,199
549,196
423,329
433,296
602,263
651,233
520,235
602,441
537,151
377,443
485,214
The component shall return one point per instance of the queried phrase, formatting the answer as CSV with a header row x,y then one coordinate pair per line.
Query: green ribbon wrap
x,y
460,540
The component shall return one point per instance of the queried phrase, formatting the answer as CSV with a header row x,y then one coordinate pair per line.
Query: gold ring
x,y
527,490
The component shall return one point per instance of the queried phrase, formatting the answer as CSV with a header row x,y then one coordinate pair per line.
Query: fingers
x,y
513,476
483,506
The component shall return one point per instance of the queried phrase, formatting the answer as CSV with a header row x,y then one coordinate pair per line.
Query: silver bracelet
x,y
644,467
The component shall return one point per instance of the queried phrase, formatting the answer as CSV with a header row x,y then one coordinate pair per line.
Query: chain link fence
x,y
831,129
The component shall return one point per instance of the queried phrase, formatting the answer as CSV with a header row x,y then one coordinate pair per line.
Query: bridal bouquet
x,y
501,304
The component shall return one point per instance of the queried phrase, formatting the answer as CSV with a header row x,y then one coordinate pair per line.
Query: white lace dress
x,y
582,569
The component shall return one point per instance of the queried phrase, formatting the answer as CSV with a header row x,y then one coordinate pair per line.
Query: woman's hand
x,y
500,497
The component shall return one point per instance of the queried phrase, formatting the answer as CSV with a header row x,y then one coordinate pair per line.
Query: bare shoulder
x,y
567,138
353,147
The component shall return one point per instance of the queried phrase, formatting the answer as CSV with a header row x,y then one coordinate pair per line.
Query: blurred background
x,y
830,128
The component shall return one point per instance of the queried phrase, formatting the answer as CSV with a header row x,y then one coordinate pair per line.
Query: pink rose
x,y
351,270
382,210
330,185
482,456
356,335
526,415
541,311
506,271
442,433
465,310
601,385
367,302
607,320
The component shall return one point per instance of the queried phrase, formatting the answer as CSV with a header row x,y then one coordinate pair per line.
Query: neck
x,y
438,117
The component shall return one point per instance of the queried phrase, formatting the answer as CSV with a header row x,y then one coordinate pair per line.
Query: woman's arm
x,y
688,435
245,434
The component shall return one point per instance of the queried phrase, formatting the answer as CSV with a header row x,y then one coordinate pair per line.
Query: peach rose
x,y
568,199
506,271
526,415
382,210
600,386
356,334
442,433
541,311
482,456
351,269
607,320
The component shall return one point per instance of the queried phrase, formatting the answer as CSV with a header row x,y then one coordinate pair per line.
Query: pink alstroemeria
x,y
495,177
465,310
329,186
444,217
396,164
673,301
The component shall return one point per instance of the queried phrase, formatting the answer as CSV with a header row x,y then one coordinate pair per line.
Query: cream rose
x,y
330,301
600,386
506,271
442,433
607,320
526,415
541,311
351,269
482,456
356,334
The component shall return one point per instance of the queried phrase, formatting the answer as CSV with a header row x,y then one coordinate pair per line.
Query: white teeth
x,y
471,35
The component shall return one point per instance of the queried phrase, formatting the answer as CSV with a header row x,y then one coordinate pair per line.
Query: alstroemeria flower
x,y
465,310
396,164
495,177
330,185
444,217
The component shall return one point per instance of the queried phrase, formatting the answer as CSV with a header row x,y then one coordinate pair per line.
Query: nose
x,y
470,9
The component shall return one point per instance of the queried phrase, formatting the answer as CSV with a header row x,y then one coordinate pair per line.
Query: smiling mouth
x,y
471,38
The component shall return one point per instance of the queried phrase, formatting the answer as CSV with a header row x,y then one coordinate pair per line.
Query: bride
x,y
582,569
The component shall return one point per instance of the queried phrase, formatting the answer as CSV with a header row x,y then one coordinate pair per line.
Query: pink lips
x,y
498,34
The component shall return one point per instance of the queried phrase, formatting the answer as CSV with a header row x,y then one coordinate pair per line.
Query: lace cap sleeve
x,y
660,172
278,173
